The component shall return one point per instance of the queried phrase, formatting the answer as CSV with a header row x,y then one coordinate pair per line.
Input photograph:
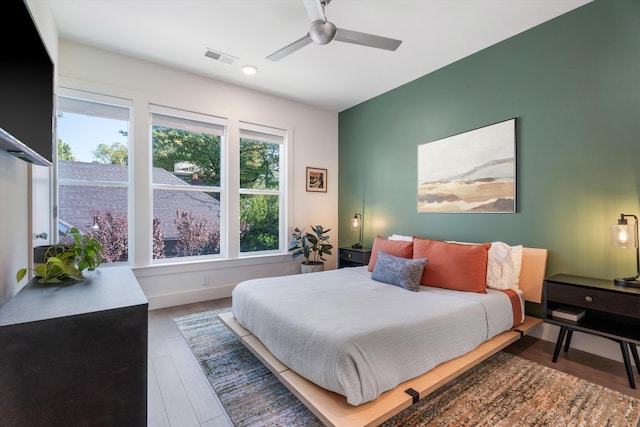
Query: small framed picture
x,y
316,180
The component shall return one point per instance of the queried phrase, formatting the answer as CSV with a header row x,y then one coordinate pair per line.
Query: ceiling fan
x,y
322,31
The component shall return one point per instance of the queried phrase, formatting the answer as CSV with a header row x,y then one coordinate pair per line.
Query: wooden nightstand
x,y
610,311
350,257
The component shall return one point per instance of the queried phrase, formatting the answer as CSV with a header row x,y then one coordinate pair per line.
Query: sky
x,y
85,133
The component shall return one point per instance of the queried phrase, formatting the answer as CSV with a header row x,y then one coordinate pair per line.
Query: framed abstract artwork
x,y
316,180
474,171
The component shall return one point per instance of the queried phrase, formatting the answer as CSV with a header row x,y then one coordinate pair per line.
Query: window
x,y
261,188
93,170
187,150
203,205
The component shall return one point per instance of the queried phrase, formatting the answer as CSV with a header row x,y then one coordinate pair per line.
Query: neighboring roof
x,y
75,202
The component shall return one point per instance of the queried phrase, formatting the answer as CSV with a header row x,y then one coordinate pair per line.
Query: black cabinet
x,y
600,307
26,87
75,355
350,257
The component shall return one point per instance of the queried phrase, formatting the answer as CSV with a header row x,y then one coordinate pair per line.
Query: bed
x,y
357,351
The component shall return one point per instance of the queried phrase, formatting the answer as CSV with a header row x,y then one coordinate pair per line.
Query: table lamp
x,y
356,225
625,235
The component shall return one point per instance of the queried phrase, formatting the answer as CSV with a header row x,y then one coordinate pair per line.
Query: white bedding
x,y
359,338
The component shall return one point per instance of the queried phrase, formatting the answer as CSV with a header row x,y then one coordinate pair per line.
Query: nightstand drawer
x,y
355,256
352,257
593,299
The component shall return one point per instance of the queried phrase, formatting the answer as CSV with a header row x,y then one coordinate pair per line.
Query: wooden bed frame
x,y
332,408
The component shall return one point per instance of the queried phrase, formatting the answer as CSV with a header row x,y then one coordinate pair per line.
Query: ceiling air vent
x,y
219,56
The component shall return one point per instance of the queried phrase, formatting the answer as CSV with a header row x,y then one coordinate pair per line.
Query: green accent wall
x,y
573,83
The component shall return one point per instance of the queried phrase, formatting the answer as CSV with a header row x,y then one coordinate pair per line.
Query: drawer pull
x,y
349,255
588,298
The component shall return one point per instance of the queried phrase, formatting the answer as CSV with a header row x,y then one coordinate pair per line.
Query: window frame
x,y
278,136
169,113
108,101
141,216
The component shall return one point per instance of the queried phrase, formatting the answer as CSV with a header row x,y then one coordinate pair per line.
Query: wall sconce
x,y
625,235
356,225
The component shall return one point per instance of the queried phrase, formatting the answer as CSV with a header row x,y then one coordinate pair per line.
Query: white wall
x,y
14,226
313,139
43,16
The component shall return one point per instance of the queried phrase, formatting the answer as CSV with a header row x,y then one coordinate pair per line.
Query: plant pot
x,y
40,253
312,266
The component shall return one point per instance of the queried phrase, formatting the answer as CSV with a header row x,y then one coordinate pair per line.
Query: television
x,y
26,87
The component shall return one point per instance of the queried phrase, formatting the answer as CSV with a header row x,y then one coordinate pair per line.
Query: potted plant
x,y
313,246
75,253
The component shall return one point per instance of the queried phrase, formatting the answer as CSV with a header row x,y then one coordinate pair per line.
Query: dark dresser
x,y
75,355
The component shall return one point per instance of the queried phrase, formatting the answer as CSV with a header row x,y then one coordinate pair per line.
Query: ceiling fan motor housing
x,y
322,32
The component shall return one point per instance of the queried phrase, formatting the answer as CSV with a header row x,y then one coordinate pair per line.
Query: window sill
x,y
209,264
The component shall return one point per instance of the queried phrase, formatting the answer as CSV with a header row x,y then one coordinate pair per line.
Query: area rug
x,y
505,390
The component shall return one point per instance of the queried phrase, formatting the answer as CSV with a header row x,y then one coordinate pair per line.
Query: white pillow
x,y
516,255
500,270
401,237
503,266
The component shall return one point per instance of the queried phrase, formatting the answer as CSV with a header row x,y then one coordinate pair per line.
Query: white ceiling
x,y
335,76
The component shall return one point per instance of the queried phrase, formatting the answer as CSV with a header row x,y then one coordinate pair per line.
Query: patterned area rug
x,y
505,390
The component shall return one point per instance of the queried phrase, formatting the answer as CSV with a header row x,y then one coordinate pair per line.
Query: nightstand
x,y
610,311
350,257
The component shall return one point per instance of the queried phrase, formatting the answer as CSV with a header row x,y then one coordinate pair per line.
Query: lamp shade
x,y
356,222
623,235
356,225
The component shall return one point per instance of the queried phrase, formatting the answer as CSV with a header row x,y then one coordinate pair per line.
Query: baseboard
x,y
189,297
593,344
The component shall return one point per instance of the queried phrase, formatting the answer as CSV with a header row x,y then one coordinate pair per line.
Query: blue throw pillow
x,y
402,272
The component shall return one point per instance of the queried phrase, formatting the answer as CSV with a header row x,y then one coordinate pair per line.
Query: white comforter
x,y
357,337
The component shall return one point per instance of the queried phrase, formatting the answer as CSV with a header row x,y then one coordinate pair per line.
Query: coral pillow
x,y
397,248
452,265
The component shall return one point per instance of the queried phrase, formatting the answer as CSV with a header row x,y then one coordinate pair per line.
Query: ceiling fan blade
x,y
365,39
289,49
315,10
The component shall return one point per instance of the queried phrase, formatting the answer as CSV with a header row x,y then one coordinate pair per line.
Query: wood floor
x,y
180,395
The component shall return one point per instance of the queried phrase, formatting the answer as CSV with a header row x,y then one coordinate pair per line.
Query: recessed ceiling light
x,y
249,70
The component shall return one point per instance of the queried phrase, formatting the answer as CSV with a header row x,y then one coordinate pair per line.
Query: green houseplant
x,y
75,253
313,246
